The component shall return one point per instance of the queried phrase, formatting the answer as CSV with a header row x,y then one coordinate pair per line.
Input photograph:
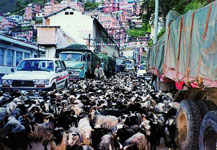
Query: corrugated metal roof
x,y
24,44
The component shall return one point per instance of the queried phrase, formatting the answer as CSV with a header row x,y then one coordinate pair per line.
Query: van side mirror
x,y
59,69
12,70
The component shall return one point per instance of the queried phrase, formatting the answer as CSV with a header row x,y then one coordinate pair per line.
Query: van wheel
x,y
188,125
66,84
208,132
53,87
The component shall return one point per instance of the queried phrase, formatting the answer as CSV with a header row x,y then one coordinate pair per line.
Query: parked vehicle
x,y
107,63
129,67
80,61
184,60
141,71
128,61
37,74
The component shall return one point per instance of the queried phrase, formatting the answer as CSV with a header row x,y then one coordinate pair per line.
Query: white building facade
x,y
81,28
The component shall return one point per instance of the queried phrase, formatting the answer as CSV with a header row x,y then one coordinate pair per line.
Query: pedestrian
x,y
99,73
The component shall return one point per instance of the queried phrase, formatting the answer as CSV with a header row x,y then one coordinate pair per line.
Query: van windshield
x,y
71,56
142,67
36,65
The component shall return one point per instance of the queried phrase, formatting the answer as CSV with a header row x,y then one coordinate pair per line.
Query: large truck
x,y
80,61
184,61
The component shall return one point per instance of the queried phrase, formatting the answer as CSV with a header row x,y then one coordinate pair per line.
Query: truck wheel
x,y
208,132
211,106
188,125
203,108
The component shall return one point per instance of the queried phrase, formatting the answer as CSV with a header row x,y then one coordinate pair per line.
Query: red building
x,y
31,10
7,23
51,7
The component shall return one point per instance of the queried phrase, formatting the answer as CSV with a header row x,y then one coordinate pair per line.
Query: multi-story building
x,y
31,10
26,35
51,7
17,18
7,23
110,7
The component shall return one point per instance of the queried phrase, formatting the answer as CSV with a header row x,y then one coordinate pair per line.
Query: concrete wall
x,y
101,37
128,54
75,25
46,35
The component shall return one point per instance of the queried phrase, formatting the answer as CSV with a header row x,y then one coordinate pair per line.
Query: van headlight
x,y
41,81
7,81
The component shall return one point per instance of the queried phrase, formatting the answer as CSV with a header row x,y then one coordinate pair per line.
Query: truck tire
x,y
208,132
203,108
188,125
211,106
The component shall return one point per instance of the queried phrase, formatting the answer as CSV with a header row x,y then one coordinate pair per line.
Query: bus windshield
x,y
71,56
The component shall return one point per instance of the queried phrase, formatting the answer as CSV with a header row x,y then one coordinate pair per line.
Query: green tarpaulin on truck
x,y
190,49
156,55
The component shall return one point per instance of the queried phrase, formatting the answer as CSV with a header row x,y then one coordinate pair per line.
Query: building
x,y
25,35
51,7
17,18
7,23
74,27
13,51
31,10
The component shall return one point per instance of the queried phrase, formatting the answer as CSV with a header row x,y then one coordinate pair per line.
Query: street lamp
x,y
156,21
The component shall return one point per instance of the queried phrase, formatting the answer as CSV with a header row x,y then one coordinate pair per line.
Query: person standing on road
x,y
99,73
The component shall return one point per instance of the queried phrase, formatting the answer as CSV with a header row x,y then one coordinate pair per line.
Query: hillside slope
x,y
16,5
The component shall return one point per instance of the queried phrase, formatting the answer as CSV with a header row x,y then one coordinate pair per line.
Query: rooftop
x,y
13,41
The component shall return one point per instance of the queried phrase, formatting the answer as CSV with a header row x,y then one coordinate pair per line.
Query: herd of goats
x,y
118,113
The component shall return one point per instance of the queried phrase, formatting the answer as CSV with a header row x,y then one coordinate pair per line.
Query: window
x,y
36,65
58,65
63,65
19,57
26,55
1,56
71,13
66,13
10,58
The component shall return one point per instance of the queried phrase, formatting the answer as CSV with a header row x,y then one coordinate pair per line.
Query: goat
x,y
14,134
137,142
107,121
74,137
106,143
59,140
44,132
85,129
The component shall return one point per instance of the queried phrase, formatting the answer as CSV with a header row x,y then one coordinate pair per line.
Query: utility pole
x,y
156,21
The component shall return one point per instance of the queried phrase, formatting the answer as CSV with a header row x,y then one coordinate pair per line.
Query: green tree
x,y
181,6
90,6
136,32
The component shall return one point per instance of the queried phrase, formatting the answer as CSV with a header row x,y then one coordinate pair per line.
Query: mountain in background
x,y
16,5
